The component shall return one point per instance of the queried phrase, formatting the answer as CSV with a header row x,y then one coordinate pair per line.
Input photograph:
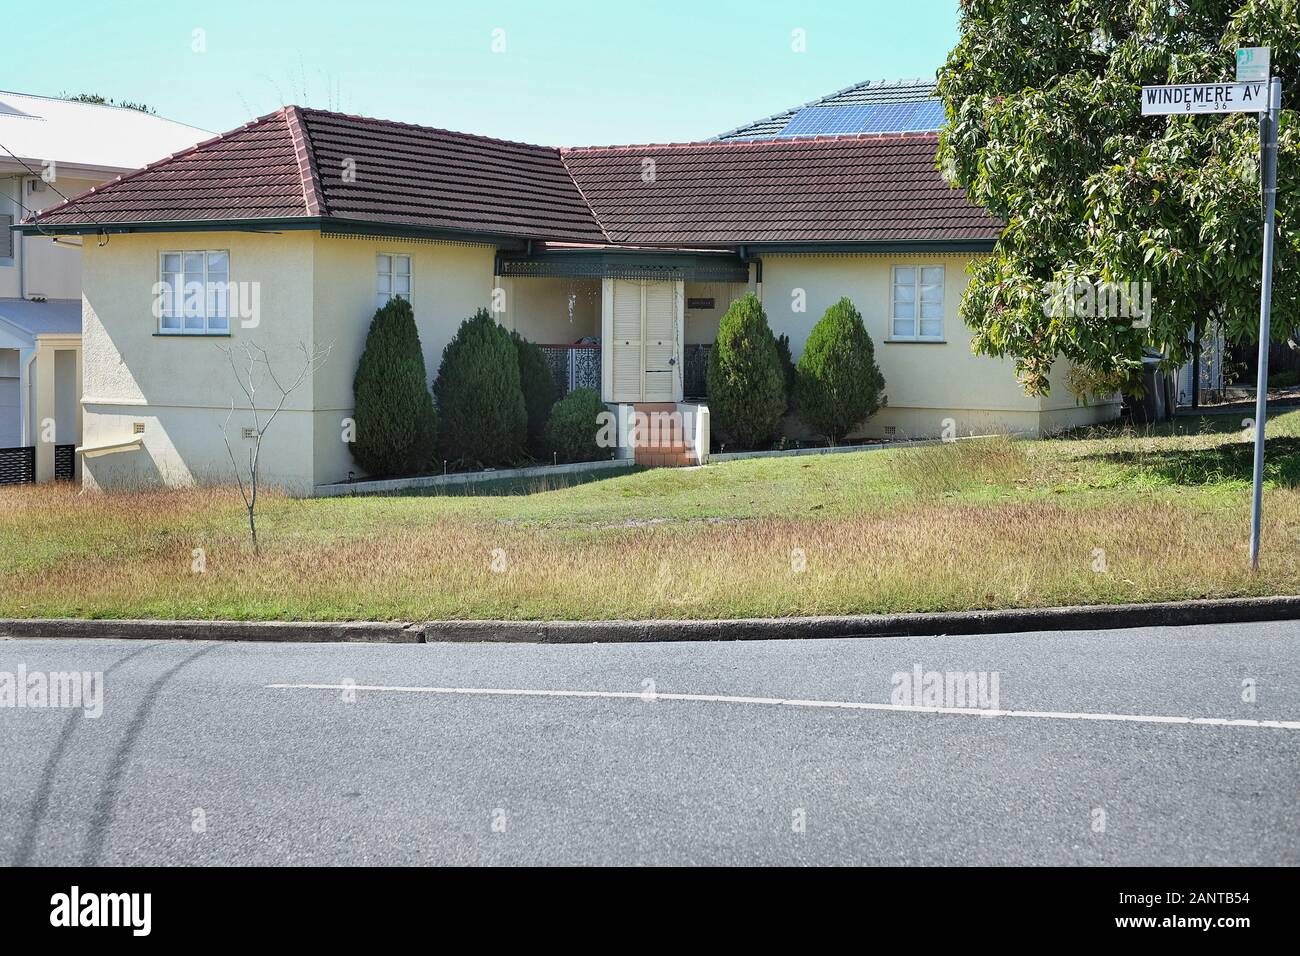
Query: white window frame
x,y
178,306
916,335
392,274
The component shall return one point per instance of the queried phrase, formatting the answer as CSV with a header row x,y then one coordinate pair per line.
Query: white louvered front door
x,y
626,346
644,332
660,341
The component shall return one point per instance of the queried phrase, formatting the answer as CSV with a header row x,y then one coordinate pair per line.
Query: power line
x,y
33,172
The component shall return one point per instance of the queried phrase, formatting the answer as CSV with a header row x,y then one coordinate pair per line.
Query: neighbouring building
x,y
51,148
619,260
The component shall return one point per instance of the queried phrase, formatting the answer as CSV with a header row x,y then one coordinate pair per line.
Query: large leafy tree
x,y
1044,129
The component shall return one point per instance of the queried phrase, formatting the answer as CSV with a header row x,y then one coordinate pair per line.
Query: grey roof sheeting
x,y
51,317
883,91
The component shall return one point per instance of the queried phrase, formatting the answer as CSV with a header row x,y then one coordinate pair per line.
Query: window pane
x,y
192,296
383,284
218,262
194,262
218,299
219,324
384,264
171,323
932,310
931,293
904,310
402,265
904,274
904,293
904,327
171,262
170,304
932,274
193,323
402,285
932,328
402,295
381,300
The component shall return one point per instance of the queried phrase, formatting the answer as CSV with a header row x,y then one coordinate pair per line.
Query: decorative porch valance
x,y
693,267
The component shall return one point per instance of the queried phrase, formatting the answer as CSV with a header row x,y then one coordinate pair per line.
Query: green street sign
x,y
1252,64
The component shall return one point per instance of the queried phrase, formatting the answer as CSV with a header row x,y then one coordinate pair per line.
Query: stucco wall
x,y
539,309
449,282
702,324
926,382
180,387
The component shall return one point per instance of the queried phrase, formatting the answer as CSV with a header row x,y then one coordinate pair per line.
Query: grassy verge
x,y
984,524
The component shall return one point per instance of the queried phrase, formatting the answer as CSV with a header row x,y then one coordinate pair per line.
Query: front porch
x,y
637,328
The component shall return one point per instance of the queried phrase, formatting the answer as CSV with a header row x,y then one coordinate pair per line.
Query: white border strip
x,y
796,702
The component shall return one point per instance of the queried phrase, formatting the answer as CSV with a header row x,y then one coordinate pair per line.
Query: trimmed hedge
x,y
838,384
396,426
482,418
573,426
746,385
539,390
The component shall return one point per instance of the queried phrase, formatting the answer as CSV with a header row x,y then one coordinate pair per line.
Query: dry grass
x,y
971,525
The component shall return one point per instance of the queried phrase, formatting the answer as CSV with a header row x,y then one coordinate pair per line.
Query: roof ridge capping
x,y
313,196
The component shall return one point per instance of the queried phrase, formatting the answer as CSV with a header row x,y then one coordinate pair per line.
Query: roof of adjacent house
x,y
869,93
49,317
43,128
831,189
329,170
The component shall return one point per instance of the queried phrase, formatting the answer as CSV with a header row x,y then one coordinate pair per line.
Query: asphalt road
x,y
775,752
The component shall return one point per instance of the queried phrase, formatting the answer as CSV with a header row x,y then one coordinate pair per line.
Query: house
x,y
619,260
49,149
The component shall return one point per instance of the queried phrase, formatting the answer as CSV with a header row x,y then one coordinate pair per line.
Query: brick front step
x,y
664,459
667,453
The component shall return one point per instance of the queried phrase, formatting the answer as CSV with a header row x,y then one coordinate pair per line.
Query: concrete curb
x,y
1099,617
376,632
1017,620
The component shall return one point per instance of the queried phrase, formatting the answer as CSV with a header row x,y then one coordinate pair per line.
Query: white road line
x,y
796,702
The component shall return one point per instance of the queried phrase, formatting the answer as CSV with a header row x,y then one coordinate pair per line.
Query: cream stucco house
x,y
51,148
619,260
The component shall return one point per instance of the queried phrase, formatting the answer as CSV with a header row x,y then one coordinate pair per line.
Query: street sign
x,y
1204,98
1264,98
1252,64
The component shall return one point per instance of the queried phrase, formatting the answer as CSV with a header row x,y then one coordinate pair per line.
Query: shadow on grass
x,y
505,487
1222,464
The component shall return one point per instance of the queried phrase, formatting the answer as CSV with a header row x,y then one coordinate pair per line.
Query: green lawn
x,y
977,524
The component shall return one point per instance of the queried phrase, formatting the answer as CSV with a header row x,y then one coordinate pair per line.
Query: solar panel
x,y
865,118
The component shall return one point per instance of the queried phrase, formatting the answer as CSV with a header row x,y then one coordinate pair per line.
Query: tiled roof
x,y
429,177
249,173
902,91
300,163
310,164
835,189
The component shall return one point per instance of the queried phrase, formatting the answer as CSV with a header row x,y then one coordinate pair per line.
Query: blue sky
x,y
572,72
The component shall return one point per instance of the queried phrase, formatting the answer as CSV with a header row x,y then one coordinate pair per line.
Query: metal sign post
x,y
1268,171
1245,96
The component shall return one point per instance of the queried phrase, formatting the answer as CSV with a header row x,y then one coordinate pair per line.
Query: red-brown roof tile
x,y
832,189
303,163
249,173
429,177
